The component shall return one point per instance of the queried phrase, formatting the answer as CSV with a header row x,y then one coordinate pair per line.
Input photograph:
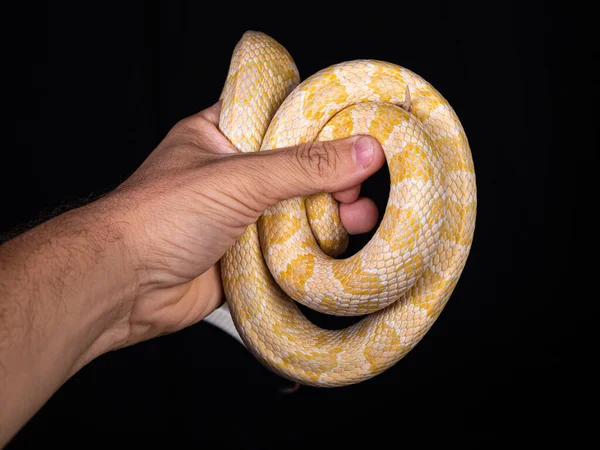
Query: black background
x,y
88,91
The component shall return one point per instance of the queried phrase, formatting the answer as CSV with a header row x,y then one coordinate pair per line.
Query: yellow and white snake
x,y
405,274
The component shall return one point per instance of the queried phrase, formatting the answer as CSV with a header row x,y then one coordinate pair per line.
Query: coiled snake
x,y
405,274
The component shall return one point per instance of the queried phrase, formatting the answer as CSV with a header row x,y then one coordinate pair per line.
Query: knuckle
x,y
193,123
191,126
316,158
183,126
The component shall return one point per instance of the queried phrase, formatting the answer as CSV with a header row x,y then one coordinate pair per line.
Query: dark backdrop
x,y
89,91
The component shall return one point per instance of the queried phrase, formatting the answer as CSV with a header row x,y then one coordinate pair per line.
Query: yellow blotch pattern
x,y
317,98
437,210
400,222
453,162
326,224
366,307
410,162
383,339
341,125
319,205
329,300
247,314
286,228
324,361
424,102
353,278
299,270
381,127
280,332
321,339
457,214
425,302
388,84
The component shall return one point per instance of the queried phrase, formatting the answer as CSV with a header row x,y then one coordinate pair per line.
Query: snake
x,y
401,280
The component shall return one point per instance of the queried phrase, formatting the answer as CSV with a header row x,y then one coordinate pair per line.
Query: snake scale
x,y
402,279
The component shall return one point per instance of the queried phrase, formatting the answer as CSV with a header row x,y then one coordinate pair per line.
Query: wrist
x,y
74,276
110,291
63,286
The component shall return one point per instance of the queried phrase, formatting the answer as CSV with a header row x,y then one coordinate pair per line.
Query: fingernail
x,y
363,152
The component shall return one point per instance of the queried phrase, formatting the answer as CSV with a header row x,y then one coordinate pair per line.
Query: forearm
x,y
62,287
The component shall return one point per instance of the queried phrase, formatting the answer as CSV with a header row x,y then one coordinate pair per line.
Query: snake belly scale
x,y
402,279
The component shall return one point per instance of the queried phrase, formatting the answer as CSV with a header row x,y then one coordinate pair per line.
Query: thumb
x,y
315,167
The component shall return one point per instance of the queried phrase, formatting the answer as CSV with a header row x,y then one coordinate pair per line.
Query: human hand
x,y
195,194
141,261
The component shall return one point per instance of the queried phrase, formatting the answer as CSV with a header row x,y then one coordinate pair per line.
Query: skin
x,y
142,261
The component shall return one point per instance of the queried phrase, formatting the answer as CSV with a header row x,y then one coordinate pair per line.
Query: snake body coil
x,y
406,273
